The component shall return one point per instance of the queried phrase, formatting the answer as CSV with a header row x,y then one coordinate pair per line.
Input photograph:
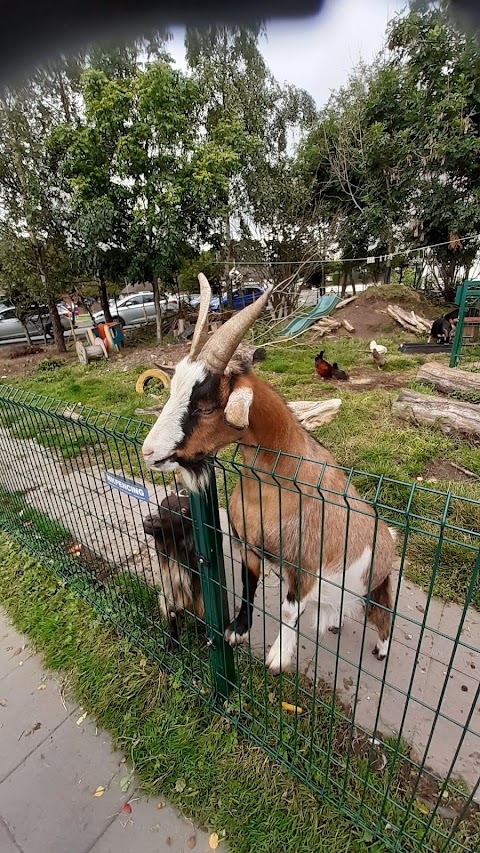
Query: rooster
x,y
323,368
337,373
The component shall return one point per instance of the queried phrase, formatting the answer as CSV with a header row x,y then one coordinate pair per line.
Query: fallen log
x,y
247,352
348,326
323,327
314,413
448,379
450,416
346,302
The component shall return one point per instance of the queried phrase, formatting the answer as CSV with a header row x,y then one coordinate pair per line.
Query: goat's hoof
x,y
235,634
380,651
275,663
172,645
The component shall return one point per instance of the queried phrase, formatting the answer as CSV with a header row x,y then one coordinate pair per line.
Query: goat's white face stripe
x,y
165,436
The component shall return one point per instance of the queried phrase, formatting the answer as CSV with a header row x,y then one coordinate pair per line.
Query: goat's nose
x,y
147,451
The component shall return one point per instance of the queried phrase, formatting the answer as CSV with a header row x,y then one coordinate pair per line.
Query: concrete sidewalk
x,y
53,759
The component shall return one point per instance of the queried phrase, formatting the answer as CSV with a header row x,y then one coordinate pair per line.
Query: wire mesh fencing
x,y
393,743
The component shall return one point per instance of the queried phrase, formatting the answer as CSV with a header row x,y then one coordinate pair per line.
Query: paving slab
x,y
151,830
14,647
33,709
48,803
47,794
7,844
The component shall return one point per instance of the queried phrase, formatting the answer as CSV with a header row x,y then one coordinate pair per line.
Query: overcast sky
x,y
319,53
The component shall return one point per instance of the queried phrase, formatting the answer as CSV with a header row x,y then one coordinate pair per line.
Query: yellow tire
x,y
152,373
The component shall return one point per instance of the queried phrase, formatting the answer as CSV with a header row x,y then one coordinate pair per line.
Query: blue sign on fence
x,y
129,487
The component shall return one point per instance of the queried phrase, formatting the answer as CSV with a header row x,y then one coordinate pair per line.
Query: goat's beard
x,y
195,475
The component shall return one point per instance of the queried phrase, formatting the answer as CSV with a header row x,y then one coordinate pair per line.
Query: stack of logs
x,y
409,320
328,324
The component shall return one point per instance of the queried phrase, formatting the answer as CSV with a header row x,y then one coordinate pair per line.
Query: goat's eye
x,y
204,410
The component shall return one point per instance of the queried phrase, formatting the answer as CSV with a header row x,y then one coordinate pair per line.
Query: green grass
x,y
199,760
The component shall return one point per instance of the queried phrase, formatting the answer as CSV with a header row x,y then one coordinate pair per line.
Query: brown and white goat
x,y
179,579
296,507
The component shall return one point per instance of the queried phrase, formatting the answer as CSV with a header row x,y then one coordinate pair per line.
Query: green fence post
x,y
460,300
207,535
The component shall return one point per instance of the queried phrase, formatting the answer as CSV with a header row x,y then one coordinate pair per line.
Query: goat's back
x,y
307,514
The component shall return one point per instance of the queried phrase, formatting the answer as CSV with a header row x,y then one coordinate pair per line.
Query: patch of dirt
x,y
18,360
368,313
364,379
438,469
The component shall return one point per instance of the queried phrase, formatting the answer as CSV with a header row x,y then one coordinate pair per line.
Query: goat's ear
x,y
238,408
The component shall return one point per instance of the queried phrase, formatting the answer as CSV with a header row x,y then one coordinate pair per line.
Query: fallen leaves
x,y
81,719
161,805
192,842
41,687
125,782
28,732
213,841
127,808
180,785
292,709
99,791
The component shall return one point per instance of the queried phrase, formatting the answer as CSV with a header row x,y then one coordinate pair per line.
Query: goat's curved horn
x,y
219,349
200,334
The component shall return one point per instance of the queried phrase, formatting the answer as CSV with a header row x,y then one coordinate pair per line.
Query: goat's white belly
x,y
342,594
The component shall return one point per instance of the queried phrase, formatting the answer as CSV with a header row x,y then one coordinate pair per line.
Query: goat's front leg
x,y
280,655
174,627
237,631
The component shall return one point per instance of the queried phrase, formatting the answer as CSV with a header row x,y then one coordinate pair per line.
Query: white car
x,y
136,309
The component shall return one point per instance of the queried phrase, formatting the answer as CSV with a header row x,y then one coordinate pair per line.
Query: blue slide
x,y
326,306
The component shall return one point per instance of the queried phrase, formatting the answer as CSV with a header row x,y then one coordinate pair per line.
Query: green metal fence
x,y
395,744
466,343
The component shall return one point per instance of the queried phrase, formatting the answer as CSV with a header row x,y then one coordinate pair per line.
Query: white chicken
x,y
379,347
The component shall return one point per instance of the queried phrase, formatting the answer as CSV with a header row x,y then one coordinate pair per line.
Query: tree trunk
x,y
158,309
448,379
352,282
102,290
450,416
27,333
56,325
228,261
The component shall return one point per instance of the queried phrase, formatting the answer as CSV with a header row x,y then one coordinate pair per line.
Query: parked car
x,y
193,299
136,308
241,296
38,325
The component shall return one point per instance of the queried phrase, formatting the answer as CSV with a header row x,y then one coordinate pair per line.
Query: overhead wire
x,y
366,258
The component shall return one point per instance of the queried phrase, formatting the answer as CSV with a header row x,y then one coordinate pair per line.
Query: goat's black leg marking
x,y
174,627
237,631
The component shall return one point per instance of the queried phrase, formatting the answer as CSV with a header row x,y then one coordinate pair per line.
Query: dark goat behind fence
x,y
394,744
